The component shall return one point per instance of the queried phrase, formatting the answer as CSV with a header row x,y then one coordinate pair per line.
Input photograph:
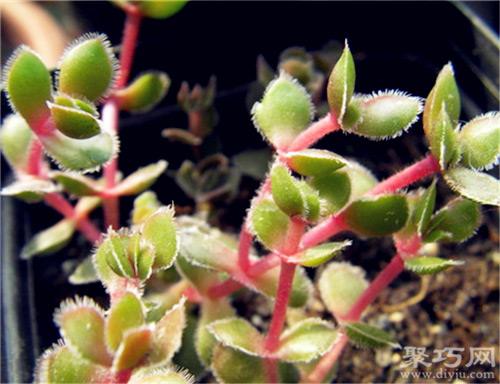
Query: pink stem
x,y
314,133
35,162
111,108
324,366
224,289
421,169
84,225
384,278
323,231
244,246
264,264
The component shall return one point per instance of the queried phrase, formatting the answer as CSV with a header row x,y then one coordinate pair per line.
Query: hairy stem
x,y
35,159
314,133
111,108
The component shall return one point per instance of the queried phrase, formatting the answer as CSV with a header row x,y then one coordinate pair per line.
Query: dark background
x,y
399,45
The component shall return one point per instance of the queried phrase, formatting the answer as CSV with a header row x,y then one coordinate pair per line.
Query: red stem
x,y
421,169
314,133
244,246
84,225
264,264
111,109
35,162
223,289
323,231
384,278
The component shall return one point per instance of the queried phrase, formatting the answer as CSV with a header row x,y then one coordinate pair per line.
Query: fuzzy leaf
x,y
80,155
334,191
70,102
232,366
424,208
159,230
429,265
315,162
480,141
87,68
455,222
60,365
160,9
84,273
76,184
362,180
145,92
29,189
200,277
365,335
286,193
81,324
118,256
140,180
144,206
315,256
284,111
167,335
269,223
383,115
377,216
239,334
441,113
477,186
16,140
312,205
340,285
127,313
306,341
160,376
49,240
341,83
135,344
73,122
86,205
211,310
28,85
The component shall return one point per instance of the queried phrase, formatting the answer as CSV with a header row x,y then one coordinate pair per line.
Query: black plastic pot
x,y
397,44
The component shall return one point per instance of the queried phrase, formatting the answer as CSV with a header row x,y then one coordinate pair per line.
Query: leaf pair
x,y
136,254
66,124
379,116
240,355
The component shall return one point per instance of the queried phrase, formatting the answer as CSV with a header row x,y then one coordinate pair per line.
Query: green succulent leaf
x,y
312,203
368,336
141,179
286,193
73,122
88,68
167,335
334,191
60,364
159,230
424,207
145,92
341,83
155,375
28,85
159,9
480,141
134,346
284,111
315,256
205,342
29,189
16,140
76,184
269,223
83,105
456,222
125,314
429,265
315,162
377,216
144,206
84,273
232,366
239,334
382,115
306,341
441,113
82,155
340,285
49,240
477,186
200,277
81,324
